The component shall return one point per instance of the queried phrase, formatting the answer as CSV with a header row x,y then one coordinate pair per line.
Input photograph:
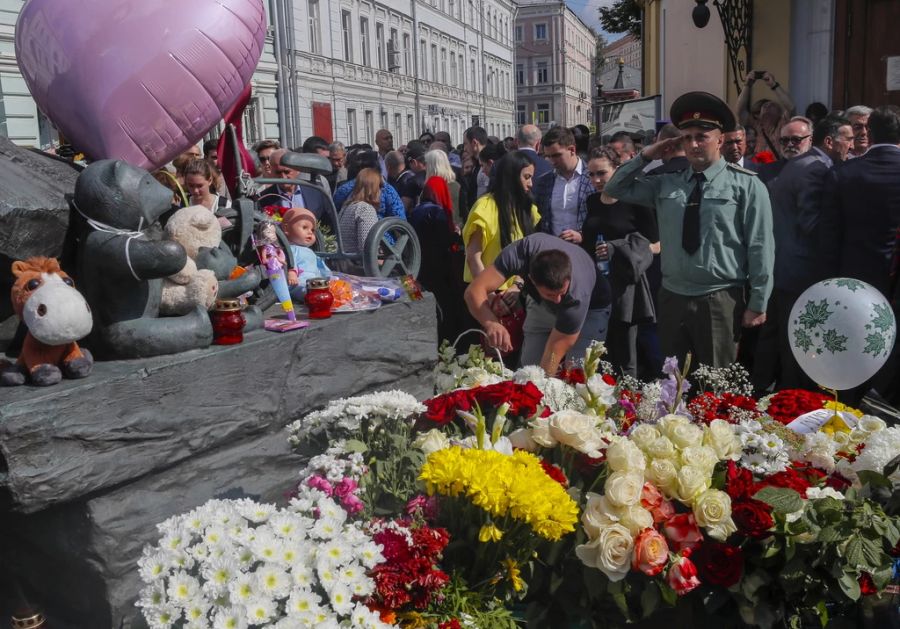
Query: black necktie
x,y
690,227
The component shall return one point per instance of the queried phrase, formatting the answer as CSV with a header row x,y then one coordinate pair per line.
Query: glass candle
x,y
227,322
318,298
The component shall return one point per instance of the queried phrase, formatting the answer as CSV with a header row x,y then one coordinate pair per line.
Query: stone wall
x,y
88,467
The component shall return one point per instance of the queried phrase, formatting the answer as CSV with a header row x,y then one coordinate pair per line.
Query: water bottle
x,y
602,265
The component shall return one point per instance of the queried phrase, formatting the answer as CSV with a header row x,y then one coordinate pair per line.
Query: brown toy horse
x,y
56,316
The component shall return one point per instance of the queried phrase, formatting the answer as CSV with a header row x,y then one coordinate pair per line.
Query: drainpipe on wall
x,y
288,48
483,67
279,78
414,53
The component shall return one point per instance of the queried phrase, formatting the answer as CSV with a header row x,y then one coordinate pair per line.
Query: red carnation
x,y
555,472
453,623
752,517
720,564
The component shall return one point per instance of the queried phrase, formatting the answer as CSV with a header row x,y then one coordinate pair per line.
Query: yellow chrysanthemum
x,y
502,485
843,408
513,574
490,533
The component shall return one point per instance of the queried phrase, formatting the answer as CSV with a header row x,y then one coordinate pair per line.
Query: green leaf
x,y
354,445
830,534
883,318
874,479
833,341
782,499
849,586
650,599
814,314
668,594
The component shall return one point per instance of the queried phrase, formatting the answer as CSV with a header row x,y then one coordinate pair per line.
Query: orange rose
x,y
651,553
654,502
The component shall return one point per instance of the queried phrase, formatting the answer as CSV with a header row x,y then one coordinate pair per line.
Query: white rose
x,y
610,552
692,481
841,438
598,513
870,424
721,438
643,435
521,439
576,430
431,441
668,423
703,457
623,489
636,518
663,474
686,435
625,456
540,433
662,448
712,510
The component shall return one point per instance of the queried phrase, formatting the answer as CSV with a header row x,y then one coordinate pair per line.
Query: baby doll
x,y
272,258
299,225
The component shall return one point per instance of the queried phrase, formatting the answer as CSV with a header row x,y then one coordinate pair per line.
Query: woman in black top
x,y
630,238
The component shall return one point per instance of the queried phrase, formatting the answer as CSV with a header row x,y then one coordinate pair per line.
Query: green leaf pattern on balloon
x,y
833,342
883,318
802,339
875,344
851,284
815,314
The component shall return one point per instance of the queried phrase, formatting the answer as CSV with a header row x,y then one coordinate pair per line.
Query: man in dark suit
x,y
529,139
475,139
313,198
796,207
861,216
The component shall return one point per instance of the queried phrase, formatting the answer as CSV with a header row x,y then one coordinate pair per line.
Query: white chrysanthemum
x,y
370,554
163,617
243,588
345,415
273,581
153,566
182,588
260,610
265,546
153,596
230,618
196,610
325,528
881,447
341,599
327,573
302,575
365,618
302,602
256,512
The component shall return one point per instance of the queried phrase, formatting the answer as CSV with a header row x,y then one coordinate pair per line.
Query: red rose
x,y
682,576
682,531
752,517
738,481
654,502
867,585
651,553
442,409
789,479
720,564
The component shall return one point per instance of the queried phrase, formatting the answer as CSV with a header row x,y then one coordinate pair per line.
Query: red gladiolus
x,y
682,576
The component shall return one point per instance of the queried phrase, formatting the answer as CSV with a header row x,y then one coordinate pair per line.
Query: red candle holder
x,y
318,298
227,322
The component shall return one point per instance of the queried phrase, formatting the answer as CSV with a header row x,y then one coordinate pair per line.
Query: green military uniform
x,y
702,298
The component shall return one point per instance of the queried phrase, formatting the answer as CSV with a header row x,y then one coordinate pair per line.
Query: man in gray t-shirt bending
x,y
567,301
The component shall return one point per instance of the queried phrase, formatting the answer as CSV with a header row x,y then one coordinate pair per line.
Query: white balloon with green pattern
x,y
841,332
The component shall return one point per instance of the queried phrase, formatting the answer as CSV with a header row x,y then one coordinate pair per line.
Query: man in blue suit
x,y
860,219
529,140
796,208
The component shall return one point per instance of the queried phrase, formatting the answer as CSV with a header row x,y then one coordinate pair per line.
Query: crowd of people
x,y
699,242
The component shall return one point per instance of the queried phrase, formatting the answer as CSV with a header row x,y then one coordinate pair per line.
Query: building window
x,y
384,120
520,115
410,128
452,11
541,72
346,27
453,69
518,32
543,113
434,63
407,63
520,74
462,71
423,66
398,128
473,76
444,66
364,40
380,43
370,123
540,31
351,126
315,30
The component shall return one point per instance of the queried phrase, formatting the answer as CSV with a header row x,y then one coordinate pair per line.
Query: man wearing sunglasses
x,y
715,228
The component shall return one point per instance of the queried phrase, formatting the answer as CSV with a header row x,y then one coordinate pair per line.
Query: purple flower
x,y
670,366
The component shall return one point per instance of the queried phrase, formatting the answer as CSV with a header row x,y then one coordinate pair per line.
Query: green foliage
x,y
393,465
781,499
623,16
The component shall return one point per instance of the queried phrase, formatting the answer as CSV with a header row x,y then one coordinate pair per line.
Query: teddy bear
x,y
193,228
120,264
56,316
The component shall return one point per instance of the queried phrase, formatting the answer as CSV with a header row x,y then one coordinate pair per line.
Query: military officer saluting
x,y
715,228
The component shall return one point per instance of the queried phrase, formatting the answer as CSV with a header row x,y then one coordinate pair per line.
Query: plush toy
x,y
193,228
120,265
56,316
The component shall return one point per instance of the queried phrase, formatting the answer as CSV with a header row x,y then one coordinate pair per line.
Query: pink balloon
x,y
138,80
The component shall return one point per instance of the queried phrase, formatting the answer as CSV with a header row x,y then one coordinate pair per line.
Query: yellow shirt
x,y
485,217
